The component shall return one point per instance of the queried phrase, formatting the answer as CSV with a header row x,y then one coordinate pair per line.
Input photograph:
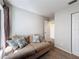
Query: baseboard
x,y
63,50
66,53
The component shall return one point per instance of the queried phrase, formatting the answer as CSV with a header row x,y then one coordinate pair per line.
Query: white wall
x,y
63,27
25,23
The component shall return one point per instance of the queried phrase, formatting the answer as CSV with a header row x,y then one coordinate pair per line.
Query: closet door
x,y
75,34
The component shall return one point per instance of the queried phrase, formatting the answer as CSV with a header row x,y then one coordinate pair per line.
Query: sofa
x,y
30,51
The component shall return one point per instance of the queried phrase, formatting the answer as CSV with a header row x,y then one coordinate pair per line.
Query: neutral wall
x,y
63,27
25,23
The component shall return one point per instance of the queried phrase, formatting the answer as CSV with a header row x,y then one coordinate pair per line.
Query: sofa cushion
x,y
21,53
21,42
39,46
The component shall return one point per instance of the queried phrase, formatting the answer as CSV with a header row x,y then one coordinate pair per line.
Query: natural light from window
x,y
52,29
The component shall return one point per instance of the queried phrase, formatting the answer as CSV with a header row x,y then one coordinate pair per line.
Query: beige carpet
x,y
57,54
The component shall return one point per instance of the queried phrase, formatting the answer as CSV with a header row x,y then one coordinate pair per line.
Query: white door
x,y
46,30
52,30
75,34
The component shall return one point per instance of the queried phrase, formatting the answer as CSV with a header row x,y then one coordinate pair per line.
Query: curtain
x,y
6,22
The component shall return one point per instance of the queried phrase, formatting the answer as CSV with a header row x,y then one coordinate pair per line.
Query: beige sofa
x,y
31,51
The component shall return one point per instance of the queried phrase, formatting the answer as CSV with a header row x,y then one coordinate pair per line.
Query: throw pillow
x,y
13,44
22,43
36,38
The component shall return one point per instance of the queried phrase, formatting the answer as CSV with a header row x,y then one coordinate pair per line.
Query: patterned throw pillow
x,y
22,43
36,38
13,44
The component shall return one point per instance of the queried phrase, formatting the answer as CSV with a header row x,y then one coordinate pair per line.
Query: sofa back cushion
x,y
29,38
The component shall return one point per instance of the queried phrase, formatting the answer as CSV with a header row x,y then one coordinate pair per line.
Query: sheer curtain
x,y
2,32
2,26
5,27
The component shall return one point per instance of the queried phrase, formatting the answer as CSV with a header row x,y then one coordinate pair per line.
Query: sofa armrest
x,y
21,53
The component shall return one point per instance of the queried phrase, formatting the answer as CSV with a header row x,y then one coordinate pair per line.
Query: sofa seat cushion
x,y
40,46
24,52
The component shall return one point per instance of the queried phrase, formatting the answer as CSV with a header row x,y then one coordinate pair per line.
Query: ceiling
x,y
45,8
